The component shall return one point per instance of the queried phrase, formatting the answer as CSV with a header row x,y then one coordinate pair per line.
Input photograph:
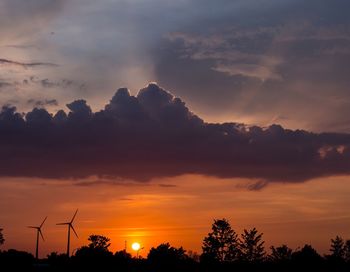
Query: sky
x,y
156,117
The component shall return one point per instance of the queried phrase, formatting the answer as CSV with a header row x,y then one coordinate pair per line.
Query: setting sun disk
x,y
135,246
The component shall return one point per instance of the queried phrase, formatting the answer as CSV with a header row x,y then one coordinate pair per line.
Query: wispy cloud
x,y
42,103
27,64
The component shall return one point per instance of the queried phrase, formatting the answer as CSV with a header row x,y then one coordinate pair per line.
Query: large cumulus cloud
x,y
154,134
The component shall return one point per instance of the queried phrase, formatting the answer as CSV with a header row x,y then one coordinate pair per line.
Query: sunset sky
x,y
154,117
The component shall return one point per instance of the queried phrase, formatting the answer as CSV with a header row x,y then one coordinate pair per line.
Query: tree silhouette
x,y
307,255
281,254
251,246
123,260
95,256
58,261
167,258
14,260
221,244
347,251
99,242
166,252
122,255
337,248
97,248
194,256
2,239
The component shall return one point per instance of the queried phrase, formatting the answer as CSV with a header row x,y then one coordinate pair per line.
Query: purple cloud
x,y
153,135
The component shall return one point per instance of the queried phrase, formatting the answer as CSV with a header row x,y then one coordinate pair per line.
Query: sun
x,y
136,246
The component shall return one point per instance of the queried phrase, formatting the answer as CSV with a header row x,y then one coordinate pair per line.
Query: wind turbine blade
x,y
74,230
31,227
43,222
74,216
62,223
41,234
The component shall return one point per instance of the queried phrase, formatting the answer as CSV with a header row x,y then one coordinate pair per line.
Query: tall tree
x,y
347,251
337,248
2,239
221,244
252,246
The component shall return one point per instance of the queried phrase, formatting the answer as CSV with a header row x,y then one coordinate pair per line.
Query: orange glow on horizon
x,y
182,214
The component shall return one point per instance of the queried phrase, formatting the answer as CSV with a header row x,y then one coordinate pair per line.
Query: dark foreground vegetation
x,y
223,250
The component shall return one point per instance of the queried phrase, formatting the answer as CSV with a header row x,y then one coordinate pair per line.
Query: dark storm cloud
x,y
153,135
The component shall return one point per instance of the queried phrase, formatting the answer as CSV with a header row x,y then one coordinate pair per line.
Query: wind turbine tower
x,y
70,226
38,232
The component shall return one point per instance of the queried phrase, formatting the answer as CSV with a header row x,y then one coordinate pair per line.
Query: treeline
x,y
222,250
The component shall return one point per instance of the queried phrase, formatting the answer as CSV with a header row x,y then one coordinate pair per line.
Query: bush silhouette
x,y
168,258
13,260
281,254
307,258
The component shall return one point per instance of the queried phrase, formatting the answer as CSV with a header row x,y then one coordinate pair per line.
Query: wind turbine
x,y
70,226
38,231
